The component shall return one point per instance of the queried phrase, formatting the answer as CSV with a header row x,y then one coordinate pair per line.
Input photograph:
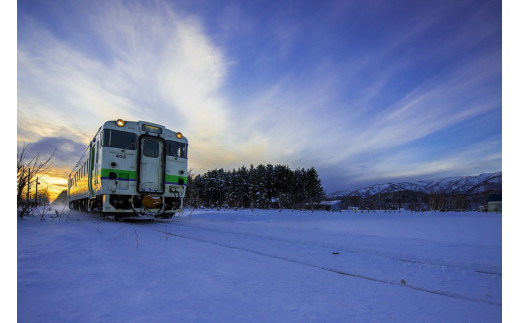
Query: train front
x,y
143,170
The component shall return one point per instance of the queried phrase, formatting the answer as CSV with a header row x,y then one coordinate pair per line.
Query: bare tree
x,y
29,171
437,201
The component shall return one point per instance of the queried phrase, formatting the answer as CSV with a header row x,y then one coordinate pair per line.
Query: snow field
x,y
258,266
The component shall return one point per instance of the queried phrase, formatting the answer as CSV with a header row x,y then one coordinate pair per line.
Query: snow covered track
x,y
262,266
442,280
488,271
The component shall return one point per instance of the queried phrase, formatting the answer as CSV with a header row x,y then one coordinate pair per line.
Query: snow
x,y
450,185
261,266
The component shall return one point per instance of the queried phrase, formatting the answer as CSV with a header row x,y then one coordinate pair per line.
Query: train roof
x,y
143,127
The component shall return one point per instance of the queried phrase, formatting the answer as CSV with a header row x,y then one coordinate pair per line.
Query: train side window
x,y
119,139
97,153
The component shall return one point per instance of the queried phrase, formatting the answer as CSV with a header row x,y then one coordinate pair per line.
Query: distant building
x,y
494,204
353,208
334,206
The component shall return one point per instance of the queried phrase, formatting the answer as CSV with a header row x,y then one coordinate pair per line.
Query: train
x,y
131,170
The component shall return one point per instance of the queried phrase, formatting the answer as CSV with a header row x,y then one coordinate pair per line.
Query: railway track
x,y
445,280
342,249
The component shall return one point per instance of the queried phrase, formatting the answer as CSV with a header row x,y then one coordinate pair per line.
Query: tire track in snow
x,y
299,262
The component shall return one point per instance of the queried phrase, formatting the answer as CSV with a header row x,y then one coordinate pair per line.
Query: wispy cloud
x,y
162,68
297,86
402,165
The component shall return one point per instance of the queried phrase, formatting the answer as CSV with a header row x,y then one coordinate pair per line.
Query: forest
x,y
262,187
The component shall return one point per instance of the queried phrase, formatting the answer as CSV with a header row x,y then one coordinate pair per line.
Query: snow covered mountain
x,y
449,185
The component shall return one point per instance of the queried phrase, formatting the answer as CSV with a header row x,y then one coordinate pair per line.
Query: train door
x,y
151,165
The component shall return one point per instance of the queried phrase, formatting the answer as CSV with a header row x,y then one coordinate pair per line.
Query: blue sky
x,y
365,91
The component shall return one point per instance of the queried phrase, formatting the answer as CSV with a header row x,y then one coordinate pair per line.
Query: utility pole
x,y
36,194
28,184
45,200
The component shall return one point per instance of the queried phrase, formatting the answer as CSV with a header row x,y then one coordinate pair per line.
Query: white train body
x,y
131,170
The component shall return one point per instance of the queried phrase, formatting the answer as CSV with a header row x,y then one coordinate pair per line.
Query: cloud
x,y
471,160
157,66
64,151
414,162
301,88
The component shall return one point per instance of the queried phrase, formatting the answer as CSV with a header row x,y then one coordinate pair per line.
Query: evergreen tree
x,y
266,186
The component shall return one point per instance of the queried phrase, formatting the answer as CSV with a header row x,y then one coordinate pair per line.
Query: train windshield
x,y
119,139
176,149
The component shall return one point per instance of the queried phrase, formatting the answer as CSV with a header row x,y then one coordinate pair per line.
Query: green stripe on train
x,y
175,179
132,175
121,174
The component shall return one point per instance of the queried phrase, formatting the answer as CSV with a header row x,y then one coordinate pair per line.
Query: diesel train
x,y
131,170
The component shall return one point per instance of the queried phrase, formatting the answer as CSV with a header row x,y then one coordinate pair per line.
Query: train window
x,y
176,149
97,153
119,139
151,148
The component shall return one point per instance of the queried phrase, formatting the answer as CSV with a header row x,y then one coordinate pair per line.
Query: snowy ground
x,y
258,266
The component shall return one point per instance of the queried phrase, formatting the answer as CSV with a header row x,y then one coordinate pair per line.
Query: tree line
x,y
263,186
419,201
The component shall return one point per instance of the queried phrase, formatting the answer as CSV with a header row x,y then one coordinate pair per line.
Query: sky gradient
x,y
367,92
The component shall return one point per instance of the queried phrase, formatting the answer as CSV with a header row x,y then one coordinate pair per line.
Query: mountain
x,y
450,185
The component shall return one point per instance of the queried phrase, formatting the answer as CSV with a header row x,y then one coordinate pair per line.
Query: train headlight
x,y
179,135
120,122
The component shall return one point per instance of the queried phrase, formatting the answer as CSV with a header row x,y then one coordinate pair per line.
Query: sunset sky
x,y
367,92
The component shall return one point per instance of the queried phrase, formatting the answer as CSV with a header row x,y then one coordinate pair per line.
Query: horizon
x,y
366,93
376,184
416,181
